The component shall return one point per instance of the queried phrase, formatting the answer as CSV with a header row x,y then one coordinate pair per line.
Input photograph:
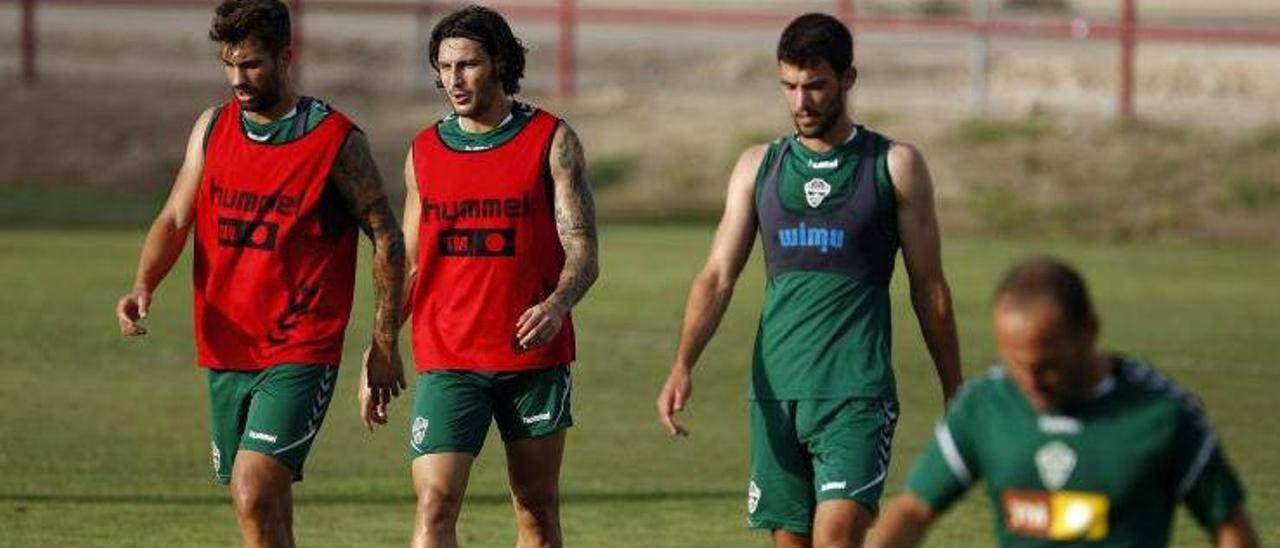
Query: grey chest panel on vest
x,y
852,238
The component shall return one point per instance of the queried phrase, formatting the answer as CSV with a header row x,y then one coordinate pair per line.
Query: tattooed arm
x,y
356,176
575,213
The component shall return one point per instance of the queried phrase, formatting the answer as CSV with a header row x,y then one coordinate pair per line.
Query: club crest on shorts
x,y
1055,462
815,191
753,497
215,456
419,429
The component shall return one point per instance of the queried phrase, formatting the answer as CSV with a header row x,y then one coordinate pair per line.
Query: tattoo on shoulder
x,y
575,206
356,176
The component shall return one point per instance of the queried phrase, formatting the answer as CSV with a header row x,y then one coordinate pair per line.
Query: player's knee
x,y
537,509
257,502
838,538
438,509
845,528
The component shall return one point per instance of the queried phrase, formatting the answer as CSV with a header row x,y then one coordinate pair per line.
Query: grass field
x,y
103,440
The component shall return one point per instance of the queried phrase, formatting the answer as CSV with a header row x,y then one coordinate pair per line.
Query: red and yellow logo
x,y
1058,515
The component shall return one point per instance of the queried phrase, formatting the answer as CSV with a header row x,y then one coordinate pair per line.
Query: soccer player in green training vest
x,y
833,203
274,189
1077,447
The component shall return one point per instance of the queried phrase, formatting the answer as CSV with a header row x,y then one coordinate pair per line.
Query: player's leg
x,y
841,524
262,495
287,407
850,441
533,466
451,414
533,412
440,482
780,495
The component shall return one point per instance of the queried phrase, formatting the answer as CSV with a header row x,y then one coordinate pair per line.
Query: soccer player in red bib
x,y
500,225
275,186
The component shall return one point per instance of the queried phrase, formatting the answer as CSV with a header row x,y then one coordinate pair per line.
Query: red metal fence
x,y
568,14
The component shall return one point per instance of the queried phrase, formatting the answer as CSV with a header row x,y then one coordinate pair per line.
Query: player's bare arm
x,y
712,288
412,217
575,216
1236,532
356,176
922,255
902,524
167,235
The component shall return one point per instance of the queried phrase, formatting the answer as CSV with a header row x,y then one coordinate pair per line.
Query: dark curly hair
x,y
263,21
493,33
815,37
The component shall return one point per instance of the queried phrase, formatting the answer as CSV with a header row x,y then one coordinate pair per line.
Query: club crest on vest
x,y
419,430
753,497
1055,462
815,191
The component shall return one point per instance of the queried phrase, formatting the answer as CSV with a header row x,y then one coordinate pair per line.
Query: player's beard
x,y
265,98
826,118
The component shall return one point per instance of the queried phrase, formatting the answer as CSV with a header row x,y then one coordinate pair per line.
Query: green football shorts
x,y
807,451
452,409
276,412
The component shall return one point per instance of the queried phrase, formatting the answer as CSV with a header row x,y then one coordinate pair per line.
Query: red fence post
x,y
1128,20
566,76
295,10
27,48
844,12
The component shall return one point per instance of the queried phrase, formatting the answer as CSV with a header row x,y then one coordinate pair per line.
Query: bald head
x,y
1047,281
1046,330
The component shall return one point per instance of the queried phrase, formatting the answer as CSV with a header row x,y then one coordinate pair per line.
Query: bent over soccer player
x,y
1077,447
500,224
274,185
832,202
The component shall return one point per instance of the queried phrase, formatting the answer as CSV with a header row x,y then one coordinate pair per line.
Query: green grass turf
x,y
103,440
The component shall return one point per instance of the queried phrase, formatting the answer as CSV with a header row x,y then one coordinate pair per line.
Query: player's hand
x,y
540,324
381,379
675,393
131,309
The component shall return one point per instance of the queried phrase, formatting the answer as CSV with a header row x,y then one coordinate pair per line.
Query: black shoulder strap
x,y
301,119
208,130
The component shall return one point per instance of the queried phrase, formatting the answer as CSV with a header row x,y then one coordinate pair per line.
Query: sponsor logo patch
x,y
540,417
478,242
261,436
805,236
832,486
825,164
1058,424
1062,515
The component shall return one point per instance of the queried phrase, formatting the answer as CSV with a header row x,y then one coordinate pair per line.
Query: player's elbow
x,y
932,299
716,281
1236,532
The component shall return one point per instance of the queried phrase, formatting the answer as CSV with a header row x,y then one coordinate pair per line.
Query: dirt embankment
x,y
663,125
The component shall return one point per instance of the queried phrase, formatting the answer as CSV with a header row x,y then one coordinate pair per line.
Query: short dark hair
x,y
493,33
815,37
263,21
1047,278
